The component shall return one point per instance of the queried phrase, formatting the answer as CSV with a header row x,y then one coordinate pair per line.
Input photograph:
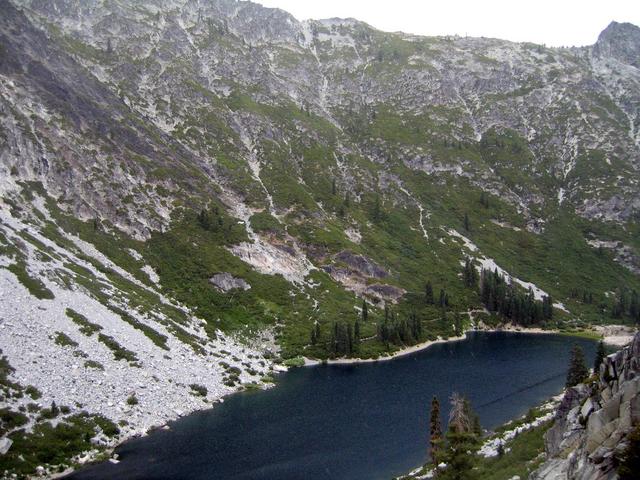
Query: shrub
x,y
199,390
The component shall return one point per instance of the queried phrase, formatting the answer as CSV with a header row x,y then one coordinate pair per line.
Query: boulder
x,y
226,282
5,445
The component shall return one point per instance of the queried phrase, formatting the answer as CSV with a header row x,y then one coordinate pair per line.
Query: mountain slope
x,y
265,176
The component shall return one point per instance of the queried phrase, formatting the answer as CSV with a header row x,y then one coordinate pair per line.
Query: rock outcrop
x,y
593,420
225,282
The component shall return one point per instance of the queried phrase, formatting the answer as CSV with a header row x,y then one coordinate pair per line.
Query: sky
x,y
551,22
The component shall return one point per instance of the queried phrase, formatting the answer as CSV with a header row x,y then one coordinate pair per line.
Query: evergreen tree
x,y
629,465
443,299
473,417
204,220
600,354
376,212
461,439
457,324
469,273
435,430
428,294
365,312
333,187
577,369
356,334
466,222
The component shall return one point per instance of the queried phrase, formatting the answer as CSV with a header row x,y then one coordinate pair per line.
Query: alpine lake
x,y
364,421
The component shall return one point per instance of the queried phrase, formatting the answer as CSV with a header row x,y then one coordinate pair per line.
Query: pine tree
x,y
435,429
376,213
577,369
428,294
365,312
600,354
356,333
461,438
333,187
630,457
204,220
457,324
466,222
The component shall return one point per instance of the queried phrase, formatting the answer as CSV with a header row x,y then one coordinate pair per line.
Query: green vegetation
x,y
525,455
578,371
629,465
47,445
86,327
119,352
199,390
34,285
64,341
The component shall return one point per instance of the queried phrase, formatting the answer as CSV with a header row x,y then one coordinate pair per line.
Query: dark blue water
x,y
367,421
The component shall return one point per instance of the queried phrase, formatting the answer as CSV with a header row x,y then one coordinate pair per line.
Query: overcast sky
x,y
552,22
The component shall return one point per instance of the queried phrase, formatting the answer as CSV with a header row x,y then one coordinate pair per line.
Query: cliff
x,y
593,421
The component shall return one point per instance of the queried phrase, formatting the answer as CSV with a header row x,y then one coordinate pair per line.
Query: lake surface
x,y
366,421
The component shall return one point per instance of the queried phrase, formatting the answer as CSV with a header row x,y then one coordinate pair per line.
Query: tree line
x,y
502,297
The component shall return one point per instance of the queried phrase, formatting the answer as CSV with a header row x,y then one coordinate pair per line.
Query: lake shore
x,y
308,362
614,335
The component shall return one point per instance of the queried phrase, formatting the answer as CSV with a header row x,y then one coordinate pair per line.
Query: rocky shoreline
x,y
593,421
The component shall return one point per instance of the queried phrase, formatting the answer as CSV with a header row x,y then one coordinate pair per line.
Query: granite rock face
x,y
226,282
593,420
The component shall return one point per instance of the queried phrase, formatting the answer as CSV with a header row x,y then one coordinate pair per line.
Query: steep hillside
x,y
198,178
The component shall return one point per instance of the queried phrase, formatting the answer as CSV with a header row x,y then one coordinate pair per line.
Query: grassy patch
x,y
524,457
86,327
63,340
119,352
34,285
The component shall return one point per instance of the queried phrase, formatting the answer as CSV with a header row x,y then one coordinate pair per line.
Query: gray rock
x,y
5,445
226,282
578,453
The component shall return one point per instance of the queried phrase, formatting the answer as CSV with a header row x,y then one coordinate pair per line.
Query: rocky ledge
x,y
593,421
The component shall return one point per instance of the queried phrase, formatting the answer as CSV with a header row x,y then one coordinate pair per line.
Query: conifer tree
x,y
435,429
466,222
630,457
577,369
428,294
600,354
461,438
376,213
365,312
